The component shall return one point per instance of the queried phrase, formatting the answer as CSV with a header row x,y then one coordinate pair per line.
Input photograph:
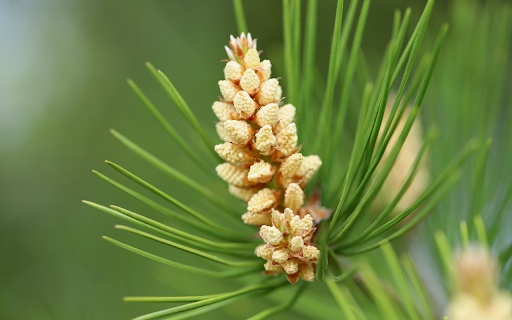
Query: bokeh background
x,y
63,66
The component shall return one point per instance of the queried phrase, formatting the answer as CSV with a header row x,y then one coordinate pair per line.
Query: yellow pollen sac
x,y
280,255
263,200
287,140
267,115
280,220
233,71
291,266
288,214
265,140
256,219
238,131
271,235
252,59
263,252
271,268
244,105
466,307
475,273
296,244
307,272
296,225
308,221
279,93
291,165
264,71
234,153
286,116
267,92
244,194
250,82
234,175
262,172
310,166
311,253
228,89
224,111
221,131
294,197
300,226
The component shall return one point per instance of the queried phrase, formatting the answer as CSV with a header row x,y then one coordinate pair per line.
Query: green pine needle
x,y
240,16
357,160
283,307
172,200
214,199
229,273
254,262
169,128
166,211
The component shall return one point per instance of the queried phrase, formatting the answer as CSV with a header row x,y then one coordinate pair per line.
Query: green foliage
x,y
347,184
471,97
404,297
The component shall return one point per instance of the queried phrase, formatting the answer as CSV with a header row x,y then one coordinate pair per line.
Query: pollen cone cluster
x,y
263,165
476,295
288,246
403,166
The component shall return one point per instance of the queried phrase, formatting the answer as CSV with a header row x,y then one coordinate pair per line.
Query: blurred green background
x,y
63,66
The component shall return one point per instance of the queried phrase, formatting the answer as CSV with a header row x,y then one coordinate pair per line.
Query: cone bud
x,y
233,71
238,131
244,105
280,255
262,172
252,59
228,89
287,140
234,153
265,140
263,252
234,175
245,194
290,266
294,197
250,82
286,116
264,71
262,201
267,92
291,165
310,166
224,111
267,115
256,219
271,235
307,272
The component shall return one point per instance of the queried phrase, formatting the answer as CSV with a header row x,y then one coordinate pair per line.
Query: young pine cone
x,y
263,165
288,246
